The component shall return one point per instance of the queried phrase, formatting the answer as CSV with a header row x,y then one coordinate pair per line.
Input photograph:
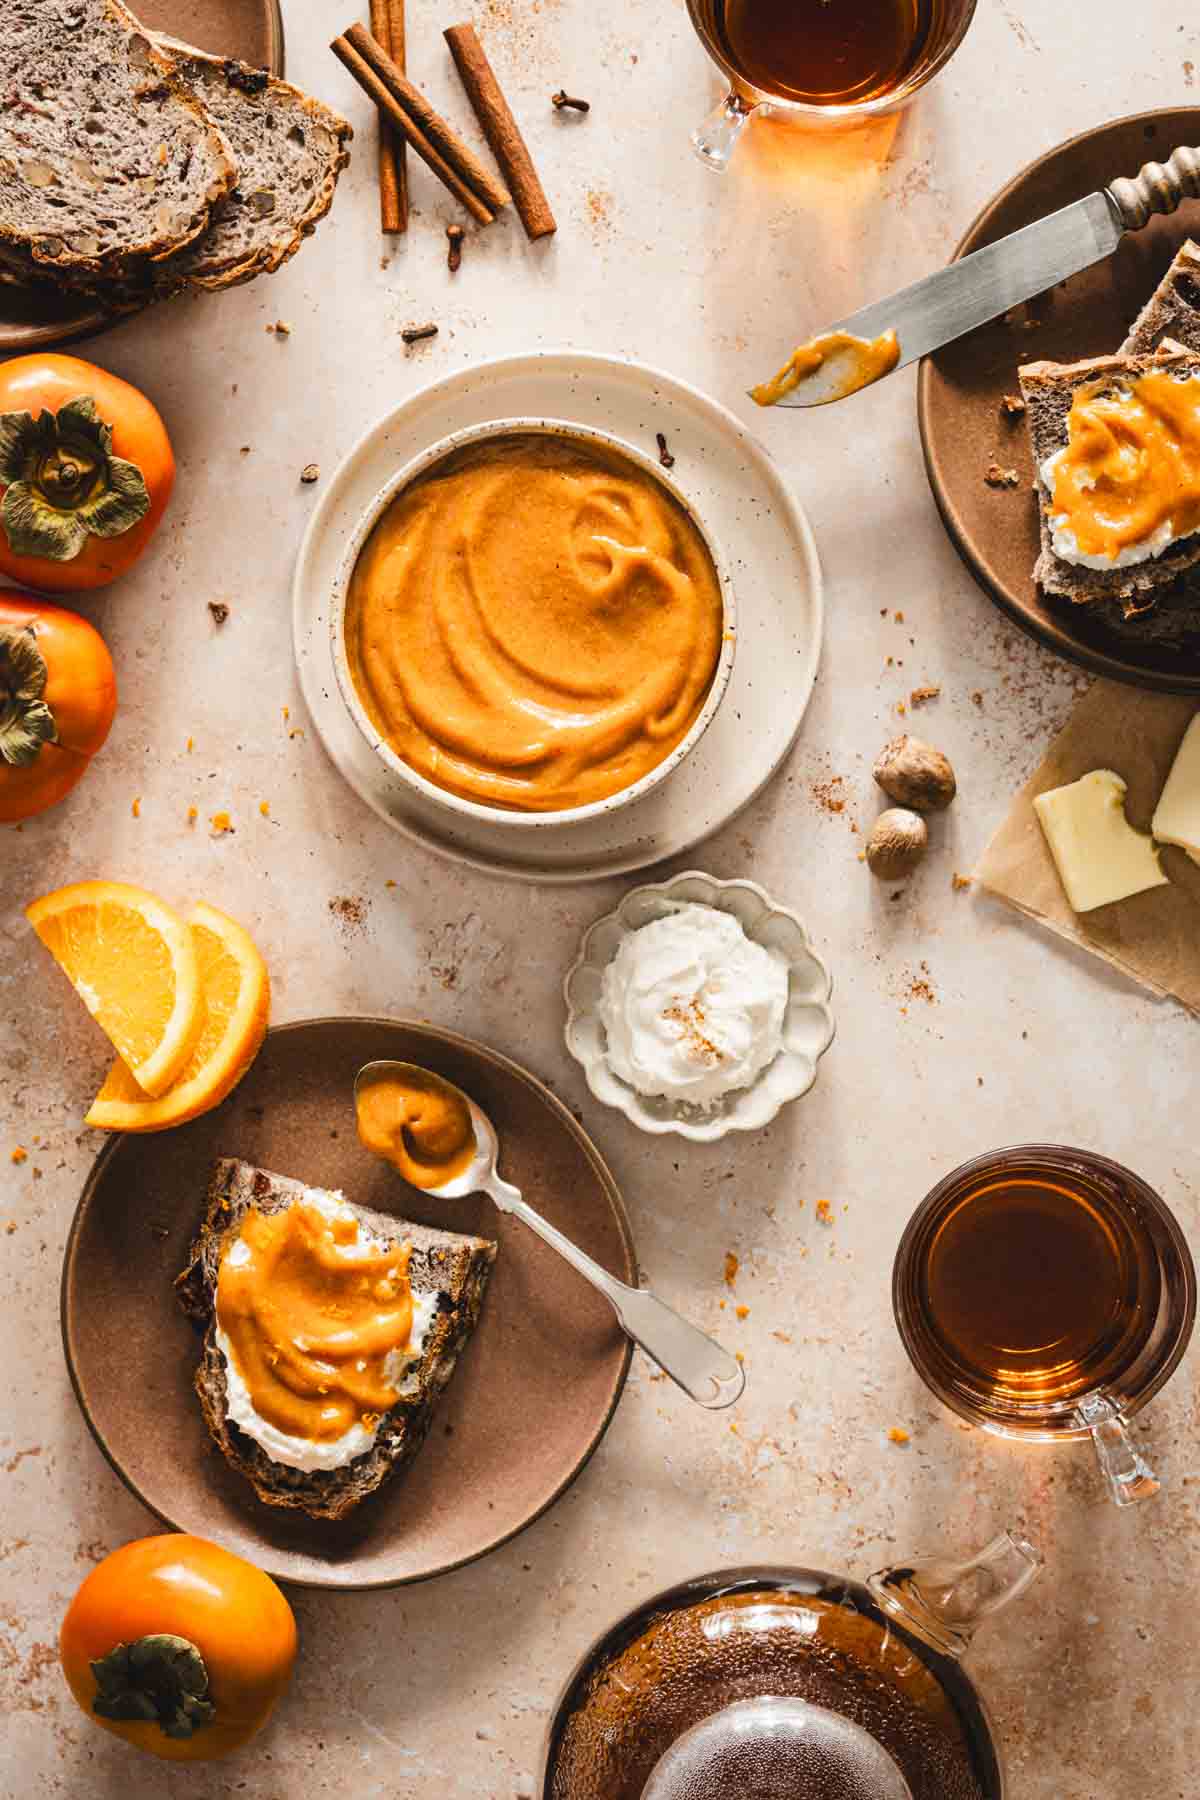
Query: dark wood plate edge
x,y
1050,635
613,1194
28,340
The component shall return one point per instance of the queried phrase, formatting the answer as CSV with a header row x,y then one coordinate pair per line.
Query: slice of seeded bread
x,y
1173,309
454,1267
289,150
1048,390
107,159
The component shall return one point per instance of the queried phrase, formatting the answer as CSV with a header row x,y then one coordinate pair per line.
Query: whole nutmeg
x,y
897,843
914,774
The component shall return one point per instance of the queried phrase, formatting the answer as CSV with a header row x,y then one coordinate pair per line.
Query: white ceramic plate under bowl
x,y
769,554
807,1025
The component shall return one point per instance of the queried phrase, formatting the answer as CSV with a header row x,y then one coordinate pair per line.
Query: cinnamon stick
x,y
387,27
501,130
434,141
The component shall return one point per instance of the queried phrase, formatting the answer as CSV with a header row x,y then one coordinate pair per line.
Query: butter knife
x,y
979,287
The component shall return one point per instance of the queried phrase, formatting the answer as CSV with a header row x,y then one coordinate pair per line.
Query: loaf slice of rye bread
x,y
107,159
1173,309
289,150
1048,390
454,1267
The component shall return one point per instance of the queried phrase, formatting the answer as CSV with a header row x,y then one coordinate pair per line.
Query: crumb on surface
x,y
189,743
731,1268
193,813
219,611
921,696
18,1154
897,1435
783,1336
136,807
741,1312
959,882
287,713
997,477
1012,407
264,807
389,883
824,1212
899,618
220,822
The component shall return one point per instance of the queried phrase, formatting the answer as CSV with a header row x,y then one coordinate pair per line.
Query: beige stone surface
x,y
960,1027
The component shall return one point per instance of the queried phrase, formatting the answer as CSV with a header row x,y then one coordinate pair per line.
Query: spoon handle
x,y
705,1372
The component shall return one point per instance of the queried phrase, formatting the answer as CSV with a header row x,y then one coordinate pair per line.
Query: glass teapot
x,y
775,1683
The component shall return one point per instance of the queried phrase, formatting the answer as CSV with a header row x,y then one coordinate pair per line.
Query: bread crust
x,y
455,1266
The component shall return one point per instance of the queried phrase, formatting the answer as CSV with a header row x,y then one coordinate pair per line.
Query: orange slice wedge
x,y
235,1000
132,961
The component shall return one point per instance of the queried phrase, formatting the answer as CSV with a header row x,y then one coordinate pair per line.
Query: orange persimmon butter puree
x,y
534,624
311,1316
1131,466
419,1123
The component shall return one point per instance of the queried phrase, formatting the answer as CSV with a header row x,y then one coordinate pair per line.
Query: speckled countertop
x,y
959,1026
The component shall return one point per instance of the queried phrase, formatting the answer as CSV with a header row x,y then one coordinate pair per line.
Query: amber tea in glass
x,y
821,62
1047,1292
825,52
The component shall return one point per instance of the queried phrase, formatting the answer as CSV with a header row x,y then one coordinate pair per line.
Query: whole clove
x,y
455,235
664,455
563,100
413,334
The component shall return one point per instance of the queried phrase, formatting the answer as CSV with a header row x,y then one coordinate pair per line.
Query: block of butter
x,y
1098,854
1177,815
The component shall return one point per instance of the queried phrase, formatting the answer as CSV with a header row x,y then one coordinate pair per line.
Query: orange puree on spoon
x,y
419,1123
534,624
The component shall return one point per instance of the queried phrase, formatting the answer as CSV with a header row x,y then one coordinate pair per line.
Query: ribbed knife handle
x,y
1157,188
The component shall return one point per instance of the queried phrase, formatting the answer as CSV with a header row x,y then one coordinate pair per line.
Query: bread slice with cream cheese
x,y
1049,390
446,1265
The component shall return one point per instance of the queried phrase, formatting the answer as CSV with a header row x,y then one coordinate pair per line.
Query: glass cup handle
x,y
714,141
1125,1469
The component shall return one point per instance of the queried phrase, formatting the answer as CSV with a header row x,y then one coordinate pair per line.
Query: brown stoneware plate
x,y
41,316
533,1392
960,388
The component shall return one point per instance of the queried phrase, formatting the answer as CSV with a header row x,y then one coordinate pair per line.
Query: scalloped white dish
x,y
808,1024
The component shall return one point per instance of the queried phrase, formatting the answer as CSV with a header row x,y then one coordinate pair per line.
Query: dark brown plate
x,y
41,315
533,1392
959,389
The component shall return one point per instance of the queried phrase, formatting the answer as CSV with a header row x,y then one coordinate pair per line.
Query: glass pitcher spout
x,y
945,1602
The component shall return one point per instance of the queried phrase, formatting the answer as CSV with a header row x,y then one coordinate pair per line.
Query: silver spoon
x,y
705,1372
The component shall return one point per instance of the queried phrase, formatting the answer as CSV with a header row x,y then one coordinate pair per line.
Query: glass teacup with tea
x,y
821,62
1047,1293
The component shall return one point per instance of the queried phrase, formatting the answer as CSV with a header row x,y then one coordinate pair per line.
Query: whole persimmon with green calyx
x,y
179,1647
58,695
86,470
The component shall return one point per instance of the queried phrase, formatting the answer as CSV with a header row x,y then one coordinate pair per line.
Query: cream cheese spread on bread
x,y
333,1453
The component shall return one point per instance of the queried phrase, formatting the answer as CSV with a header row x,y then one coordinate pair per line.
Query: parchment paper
x,y
1155,936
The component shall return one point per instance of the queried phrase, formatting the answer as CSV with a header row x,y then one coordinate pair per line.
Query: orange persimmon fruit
x,y
86,470
178,1646
58,695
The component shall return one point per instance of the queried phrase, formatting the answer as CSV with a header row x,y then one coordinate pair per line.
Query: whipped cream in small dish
x,y
692,1008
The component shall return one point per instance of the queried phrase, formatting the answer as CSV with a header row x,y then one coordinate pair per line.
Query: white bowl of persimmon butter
x,y
531,624
699,1006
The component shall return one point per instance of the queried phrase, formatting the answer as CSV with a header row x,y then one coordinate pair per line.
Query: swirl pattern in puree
x,y
534,624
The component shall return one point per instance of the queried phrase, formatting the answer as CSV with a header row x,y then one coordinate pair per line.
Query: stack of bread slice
x,y
131,167
1157,600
